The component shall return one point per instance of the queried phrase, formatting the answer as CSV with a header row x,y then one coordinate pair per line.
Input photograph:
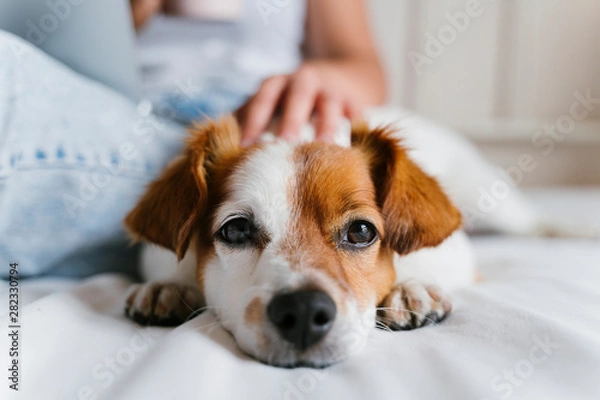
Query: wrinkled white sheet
x,y
530,330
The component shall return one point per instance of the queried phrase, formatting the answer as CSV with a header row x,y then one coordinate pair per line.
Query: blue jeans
x,y
74,158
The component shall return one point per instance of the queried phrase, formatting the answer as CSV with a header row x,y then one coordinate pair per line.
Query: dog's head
x,y
294,242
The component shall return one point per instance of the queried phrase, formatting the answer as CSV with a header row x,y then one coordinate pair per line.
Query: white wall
x,y
513,67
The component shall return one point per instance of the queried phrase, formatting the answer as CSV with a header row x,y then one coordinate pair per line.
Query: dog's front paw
x,y
165,304
412,304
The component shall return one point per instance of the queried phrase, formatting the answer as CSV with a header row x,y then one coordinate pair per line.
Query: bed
x,y
530,330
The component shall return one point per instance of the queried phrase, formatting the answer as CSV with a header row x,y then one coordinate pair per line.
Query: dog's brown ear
x,y
173,203
416,211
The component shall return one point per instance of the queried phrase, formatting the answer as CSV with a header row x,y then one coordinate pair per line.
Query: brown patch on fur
x,y
334,188
478,277
253,314
205,251
180,202
167,212
416,210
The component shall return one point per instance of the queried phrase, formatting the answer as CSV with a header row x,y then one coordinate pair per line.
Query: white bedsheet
x,y
530,330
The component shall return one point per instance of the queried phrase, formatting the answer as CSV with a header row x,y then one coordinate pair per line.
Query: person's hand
x,y
319,88
143,10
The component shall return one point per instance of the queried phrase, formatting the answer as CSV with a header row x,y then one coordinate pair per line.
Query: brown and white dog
x,y
300,249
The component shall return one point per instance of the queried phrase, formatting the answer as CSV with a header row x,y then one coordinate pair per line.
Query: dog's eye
x,y
361,233
238,231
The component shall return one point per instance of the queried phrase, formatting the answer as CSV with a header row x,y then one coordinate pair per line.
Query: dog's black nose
x,y
303,317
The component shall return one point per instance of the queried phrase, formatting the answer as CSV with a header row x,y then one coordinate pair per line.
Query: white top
x,y
188,54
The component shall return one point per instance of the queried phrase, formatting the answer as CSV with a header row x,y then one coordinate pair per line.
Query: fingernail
x,y
327,139
287,135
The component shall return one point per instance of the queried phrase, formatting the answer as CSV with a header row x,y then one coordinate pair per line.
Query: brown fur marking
x,y
334,187
416,210
253,315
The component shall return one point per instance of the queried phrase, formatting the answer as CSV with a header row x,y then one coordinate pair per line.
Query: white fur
x,y
450,265
261,186
159,264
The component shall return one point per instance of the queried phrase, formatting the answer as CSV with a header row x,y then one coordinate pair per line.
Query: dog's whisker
x,y
204,308
183,300
383,326
199,311
209,325
389,319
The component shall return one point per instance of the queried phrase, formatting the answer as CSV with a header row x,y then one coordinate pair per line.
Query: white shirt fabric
x,y
189,54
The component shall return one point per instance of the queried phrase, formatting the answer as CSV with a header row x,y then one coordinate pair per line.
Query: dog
x,y
300,249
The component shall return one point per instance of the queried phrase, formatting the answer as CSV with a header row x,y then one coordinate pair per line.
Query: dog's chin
x,y
285,356
298,362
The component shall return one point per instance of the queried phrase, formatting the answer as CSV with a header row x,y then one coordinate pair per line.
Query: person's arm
x,y
341,74
143,10
339,32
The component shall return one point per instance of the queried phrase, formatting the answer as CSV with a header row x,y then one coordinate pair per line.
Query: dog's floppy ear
x,y
173,203
416,211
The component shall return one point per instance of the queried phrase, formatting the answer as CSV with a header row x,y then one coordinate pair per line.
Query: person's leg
x,y
74,157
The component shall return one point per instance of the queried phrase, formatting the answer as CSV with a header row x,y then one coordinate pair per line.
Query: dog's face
x,y
294,243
